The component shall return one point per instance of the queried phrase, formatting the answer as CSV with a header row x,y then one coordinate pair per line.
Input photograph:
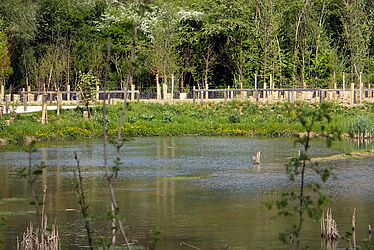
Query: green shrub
x,y
167,116
2,124
147,117
19,139
234,117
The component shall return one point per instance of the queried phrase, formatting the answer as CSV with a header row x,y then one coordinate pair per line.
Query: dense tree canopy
x,y
216,43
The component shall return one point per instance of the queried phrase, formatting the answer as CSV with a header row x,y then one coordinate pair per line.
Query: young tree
x,y
357,21
236,21
190,23
267,31
87,87
5,68
164,42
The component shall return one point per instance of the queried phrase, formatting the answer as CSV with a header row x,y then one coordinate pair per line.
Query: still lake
x,y
220,203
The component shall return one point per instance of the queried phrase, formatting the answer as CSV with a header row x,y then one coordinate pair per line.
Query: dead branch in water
x,y
189,245
40,237
329,228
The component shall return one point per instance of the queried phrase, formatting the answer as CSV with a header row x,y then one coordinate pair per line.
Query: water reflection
x,y
218,197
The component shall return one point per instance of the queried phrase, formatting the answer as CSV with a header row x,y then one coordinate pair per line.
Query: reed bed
x,y
40,237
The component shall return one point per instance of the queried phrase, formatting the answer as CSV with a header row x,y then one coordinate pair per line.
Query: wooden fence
x,y
314,95
351,96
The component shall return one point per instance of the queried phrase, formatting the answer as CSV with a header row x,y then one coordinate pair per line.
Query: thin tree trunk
x,y
299,18
182,81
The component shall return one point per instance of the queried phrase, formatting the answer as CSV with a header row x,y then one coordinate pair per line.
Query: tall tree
x,y
357,22
164,41
5,68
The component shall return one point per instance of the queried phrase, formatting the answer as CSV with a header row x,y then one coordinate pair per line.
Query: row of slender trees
x,y
45,44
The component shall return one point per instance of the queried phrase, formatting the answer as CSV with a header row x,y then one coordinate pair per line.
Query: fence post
x,y
369,91
361,87
78,99
2,90
68,93
193,94
97,93
7,104
158,88
225,96
165,87
132,92
335,96
353,93
201,96
172,86
271,87
343,86
24,95
59,100
29,99
138,96
44,109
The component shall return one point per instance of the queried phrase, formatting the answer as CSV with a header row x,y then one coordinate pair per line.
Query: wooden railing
x,y
348,96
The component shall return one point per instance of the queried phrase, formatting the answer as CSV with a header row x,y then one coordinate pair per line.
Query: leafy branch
x,y
302,202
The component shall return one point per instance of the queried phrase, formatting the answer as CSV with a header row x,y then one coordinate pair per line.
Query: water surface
x,y
220,203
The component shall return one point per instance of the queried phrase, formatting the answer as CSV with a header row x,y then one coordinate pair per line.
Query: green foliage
x,y
310,198
2,225
87,86
234,117
18,139
5,68
167,117
223,42
151,119
2,124
154,235
361,127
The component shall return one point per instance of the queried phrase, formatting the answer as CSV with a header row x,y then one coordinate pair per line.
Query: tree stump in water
x,y
257,159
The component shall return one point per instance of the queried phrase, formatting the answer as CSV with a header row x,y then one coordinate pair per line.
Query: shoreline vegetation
x,y
236,118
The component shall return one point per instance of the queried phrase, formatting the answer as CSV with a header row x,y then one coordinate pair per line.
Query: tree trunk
x,y
182,81
206,82
58,102
44,109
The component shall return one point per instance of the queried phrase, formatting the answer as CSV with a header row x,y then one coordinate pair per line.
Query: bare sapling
x,y
309,199
82,202
114,208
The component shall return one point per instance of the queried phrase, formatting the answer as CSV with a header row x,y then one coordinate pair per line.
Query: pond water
x,y
220,203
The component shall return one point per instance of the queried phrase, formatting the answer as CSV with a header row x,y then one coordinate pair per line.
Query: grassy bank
x,y
145,119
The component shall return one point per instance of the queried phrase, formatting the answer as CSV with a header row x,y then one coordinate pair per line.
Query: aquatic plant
x,y
361,127
40,237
